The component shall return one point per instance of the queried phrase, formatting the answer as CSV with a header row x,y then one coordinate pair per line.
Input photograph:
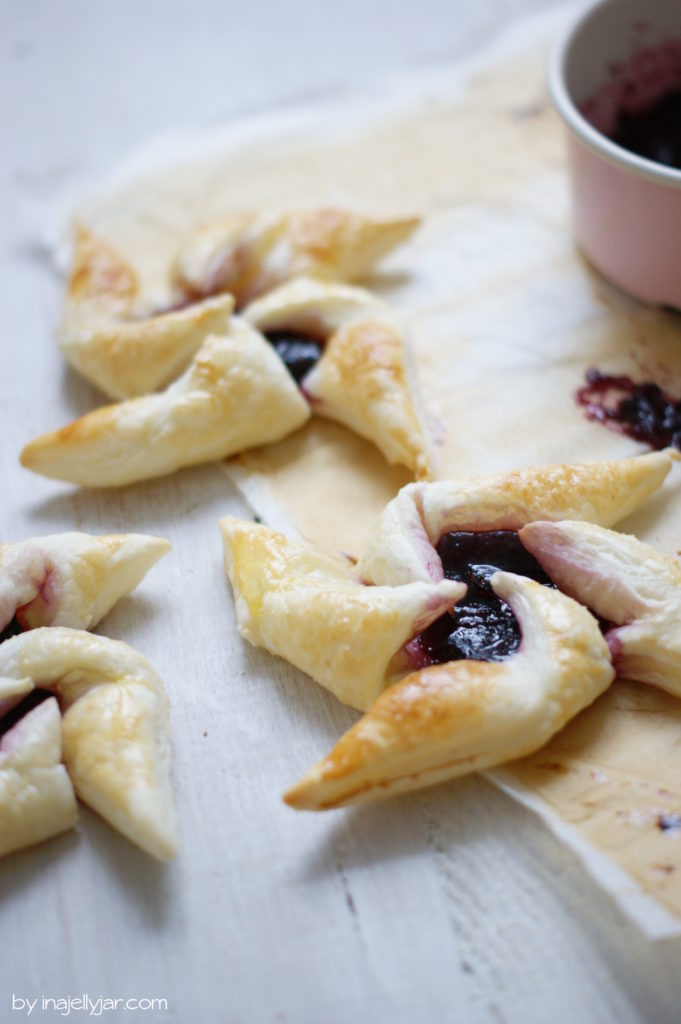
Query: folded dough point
x,y
309,609
109,337
626,582
251,255
72,579
115,727
362,381
402,544
459,717
235,395
37,800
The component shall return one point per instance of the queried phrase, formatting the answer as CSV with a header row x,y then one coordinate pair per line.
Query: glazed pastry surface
x,y
37,800
364,377
402,544
72,579
108,335
236,394
626,582
115,733
451,719
248,255
311,610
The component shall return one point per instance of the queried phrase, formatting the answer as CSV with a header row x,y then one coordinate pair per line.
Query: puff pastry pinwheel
x,y
633,587
248,255
114,732
447,720
402,545
71,579
308,608
499,672
112,339
349,354
235,394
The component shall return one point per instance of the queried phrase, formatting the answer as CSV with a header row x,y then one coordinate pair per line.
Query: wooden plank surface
x,y
450,905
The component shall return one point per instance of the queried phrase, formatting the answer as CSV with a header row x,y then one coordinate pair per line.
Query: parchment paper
x,y
506,317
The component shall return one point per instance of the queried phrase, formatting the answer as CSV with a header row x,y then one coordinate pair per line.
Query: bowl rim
x,y
578,124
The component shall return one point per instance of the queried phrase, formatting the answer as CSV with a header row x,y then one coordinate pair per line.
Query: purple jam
x,y
298,352
28,703
642,411
12,628
481,626
654,133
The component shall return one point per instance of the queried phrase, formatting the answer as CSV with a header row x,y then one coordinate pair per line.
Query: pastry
x,y
506,665
311,610
633,587
235,394
115,734
249,255
349,354
37,800
71,579
402,545
109,335
447,720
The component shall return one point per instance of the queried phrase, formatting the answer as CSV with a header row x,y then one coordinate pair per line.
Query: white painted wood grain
x,y
448,905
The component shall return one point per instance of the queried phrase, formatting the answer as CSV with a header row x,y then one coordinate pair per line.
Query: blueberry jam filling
x,y
654,134
28,703
481,626
642,411
298,352
12,628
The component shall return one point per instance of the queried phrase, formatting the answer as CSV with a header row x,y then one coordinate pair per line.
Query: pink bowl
x,y
622,54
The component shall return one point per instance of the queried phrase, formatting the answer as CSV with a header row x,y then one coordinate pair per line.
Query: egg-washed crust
x,y
115,729
311,610
626,582
37,800
111,339
236,394
248,255
72,579
445,720
448,720
401,547
364,378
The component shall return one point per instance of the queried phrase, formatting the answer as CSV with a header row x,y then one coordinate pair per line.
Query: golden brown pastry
x,y
249,255
626,582
235,394
363,376
115,734
72,579
37,800
311,610
108,334
402,545
448,720
504,667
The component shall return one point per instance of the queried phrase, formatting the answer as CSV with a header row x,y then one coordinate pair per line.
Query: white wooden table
x,y
452,904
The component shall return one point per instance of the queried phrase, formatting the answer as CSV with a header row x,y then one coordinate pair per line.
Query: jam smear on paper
x,y
481,626
642,411
298,352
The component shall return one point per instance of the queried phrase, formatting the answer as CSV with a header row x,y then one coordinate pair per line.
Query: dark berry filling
x,y
28,703
481,626
298,352
12,628
642,411
654,134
